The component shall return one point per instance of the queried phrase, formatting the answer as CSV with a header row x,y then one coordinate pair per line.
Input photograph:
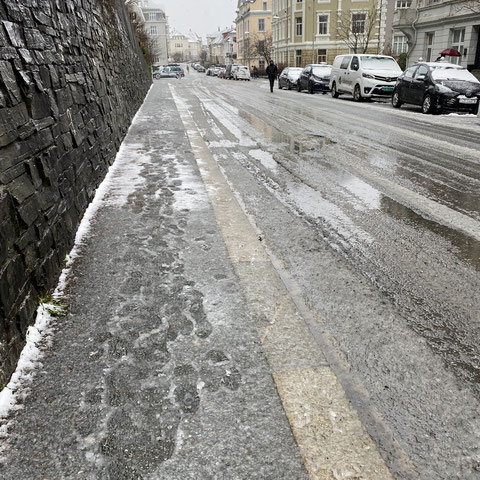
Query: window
x,y
409,72
400,44
422,70
358,22
429,44
458,38
322,55
298,58
152,16
345,62
299,26
261,64
402,4
355,64
261,24
323,24
265,6
153,30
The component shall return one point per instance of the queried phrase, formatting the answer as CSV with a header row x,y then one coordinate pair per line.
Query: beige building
x,y
254,25
314,31
184,48
157,29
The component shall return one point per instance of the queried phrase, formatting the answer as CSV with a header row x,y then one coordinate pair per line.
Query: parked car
x,y
438,86
176,68
242,73
216,71
288,78
315,78
201,69
230,71
364,76
166,72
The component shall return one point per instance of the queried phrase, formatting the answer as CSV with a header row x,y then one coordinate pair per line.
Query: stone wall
x,y
72,77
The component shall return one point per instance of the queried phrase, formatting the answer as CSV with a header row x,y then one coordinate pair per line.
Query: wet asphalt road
x,y
376,214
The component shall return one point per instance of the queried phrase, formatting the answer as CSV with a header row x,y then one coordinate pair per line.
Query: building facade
x,y
431,26
222,49
184,48
156,26
315,31
253,26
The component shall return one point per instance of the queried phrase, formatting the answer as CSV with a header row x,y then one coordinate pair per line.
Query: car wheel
x,y
310,89
299,87
289,85
396,103
427,105
334,90
357,94
279,85
475,110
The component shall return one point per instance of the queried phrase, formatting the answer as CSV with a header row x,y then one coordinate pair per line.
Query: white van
x,y
364,76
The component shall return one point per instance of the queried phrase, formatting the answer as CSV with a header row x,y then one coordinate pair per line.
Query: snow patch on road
x,y
192,194
265,158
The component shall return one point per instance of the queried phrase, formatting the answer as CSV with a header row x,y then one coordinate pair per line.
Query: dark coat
x,y
272,71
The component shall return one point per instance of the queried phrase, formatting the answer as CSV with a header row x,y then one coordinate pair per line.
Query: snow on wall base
x,y
72,77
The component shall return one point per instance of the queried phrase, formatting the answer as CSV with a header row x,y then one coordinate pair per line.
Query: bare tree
x,y
261,46
357,29
178,57
148,44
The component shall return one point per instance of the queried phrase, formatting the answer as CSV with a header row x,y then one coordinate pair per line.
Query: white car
x,y
364,76
241,73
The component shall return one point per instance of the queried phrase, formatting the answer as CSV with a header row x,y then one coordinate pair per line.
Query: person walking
x,y
272,72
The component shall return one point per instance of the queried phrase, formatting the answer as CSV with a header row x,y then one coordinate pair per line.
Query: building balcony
x,y
404,20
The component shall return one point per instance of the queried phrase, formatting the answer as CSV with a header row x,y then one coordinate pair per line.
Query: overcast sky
x,y
202,16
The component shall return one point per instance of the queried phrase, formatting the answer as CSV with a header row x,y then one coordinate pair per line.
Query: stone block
x,y
12,277
29,210
34,39
7,237
26,55
3,36
21,188
40,105
12,173
45,244
41,18
28,237
8,77
32,165
64,99
15,34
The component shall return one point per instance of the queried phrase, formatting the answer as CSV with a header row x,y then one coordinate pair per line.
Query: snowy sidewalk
x,y
157,370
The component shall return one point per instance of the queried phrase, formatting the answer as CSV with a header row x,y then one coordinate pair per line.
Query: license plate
x,y
387,89
469,101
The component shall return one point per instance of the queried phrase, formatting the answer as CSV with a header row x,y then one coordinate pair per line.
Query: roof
x,y
193,37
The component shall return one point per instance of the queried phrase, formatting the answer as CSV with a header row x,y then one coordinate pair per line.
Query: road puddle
x,y
295,143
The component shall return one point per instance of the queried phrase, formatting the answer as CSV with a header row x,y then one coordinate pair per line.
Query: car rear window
x,y
322,71
453,74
